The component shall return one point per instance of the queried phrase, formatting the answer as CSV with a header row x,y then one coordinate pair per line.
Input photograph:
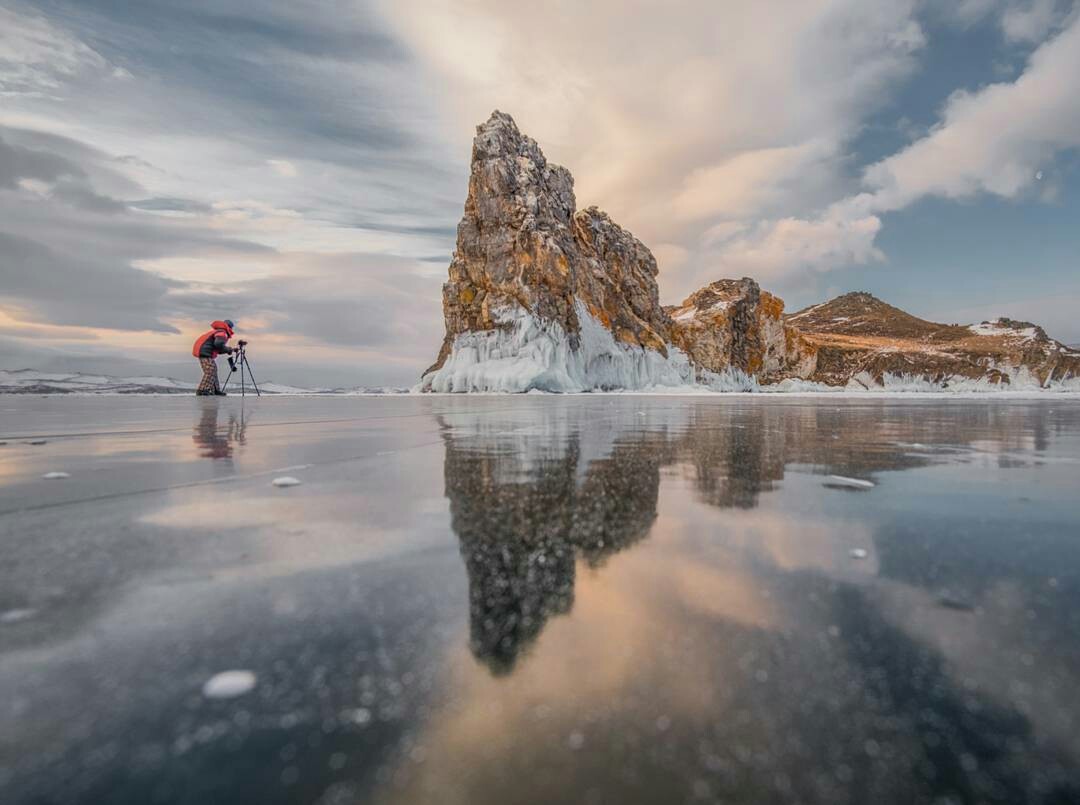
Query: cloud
x,y
346,300
68,290
37,59
993,141
17,163
775,248
282,167
754,181
1021,21
68,251
309,167
71,257
1031,21
675,120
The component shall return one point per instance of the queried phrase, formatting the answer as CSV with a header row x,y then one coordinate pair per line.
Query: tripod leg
x,y
227,379
257,392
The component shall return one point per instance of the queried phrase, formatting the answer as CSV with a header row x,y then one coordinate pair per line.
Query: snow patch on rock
x,y
998,328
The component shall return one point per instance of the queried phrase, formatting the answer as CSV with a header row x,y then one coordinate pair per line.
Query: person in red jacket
x,y
207,347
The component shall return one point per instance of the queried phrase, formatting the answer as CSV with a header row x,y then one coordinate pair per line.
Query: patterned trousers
x,y
209,382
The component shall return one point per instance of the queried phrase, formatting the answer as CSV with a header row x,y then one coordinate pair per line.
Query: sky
x,y
300,166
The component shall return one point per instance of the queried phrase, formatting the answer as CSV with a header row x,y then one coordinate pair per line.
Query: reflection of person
x,y
206,348
212,443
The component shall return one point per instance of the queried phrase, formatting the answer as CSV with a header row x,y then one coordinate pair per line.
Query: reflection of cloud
x,y
533,489
734,619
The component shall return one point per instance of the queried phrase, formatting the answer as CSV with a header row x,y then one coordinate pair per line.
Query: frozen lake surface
x,y
490,600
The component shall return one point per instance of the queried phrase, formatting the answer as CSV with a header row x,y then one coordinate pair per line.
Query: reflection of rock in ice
x,y
535,488
525,516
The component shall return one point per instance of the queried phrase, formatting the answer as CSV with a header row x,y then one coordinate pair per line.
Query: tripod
x,y
239,362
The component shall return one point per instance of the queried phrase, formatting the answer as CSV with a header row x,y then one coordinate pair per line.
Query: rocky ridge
x,y
861,341
541,295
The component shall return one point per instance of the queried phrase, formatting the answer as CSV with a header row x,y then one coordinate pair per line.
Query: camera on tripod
x,y
239,350
237,363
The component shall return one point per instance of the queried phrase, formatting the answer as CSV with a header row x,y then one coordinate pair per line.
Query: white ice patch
x,y
858,483
286,480
17,615
229,684
527,353
55,476
1020,380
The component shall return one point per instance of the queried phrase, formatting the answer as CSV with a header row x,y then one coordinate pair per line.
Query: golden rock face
x,y
734,324
522,242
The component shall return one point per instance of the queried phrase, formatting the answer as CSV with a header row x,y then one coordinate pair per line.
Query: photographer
x,y
206,348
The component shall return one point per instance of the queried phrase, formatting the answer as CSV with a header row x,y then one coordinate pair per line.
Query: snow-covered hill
x,y
33,381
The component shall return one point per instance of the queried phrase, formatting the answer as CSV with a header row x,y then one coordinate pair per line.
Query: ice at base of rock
x,y
526,353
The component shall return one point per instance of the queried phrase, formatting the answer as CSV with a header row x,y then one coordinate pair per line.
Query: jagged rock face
x,y
862,341
522,246
542,296
734,324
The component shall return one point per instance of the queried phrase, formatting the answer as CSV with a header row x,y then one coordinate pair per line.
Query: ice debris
x,y
858,483
55,476
286,480
858,553
16,615
229,684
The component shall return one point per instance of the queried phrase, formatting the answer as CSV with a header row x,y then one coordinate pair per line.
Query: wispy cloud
x,y
305,168
1000,140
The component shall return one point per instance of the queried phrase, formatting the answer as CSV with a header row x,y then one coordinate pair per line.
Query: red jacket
x,y
213,342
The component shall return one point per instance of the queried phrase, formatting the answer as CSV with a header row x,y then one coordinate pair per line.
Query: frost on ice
x,y
229,684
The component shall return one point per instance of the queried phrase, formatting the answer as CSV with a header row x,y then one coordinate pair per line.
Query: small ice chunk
x,y
857,482
858,553
16,615
228,684
55,476
286,480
